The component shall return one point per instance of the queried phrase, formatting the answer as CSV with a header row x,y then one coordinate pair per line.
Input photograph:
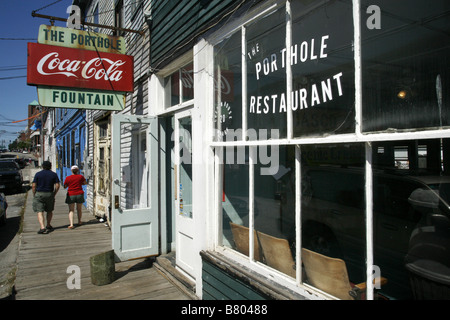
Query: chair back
x,y
327,274
277,253
242,241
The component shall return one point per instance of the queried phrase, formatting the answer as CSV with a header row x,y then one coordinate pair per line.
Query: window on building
x,y
119,18
318,183
95,17
405,66
179,86
73,148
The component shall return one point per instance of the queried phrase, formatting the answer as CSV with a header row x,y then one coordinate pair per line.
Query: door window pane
x,y
406,65
323,68
185,167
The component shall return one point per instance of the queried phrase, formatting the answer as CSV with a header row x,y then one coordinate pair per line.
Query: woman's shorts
x,y
79,198
44,202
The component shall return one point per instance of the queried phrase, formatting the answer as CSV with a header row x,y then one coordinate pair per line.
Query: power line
x,y
9,78
18,39
48,5
13,69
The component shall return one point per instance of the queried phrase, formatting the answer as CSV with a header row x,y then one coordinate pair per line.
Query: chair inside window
x,y
242,241
330,275
277,253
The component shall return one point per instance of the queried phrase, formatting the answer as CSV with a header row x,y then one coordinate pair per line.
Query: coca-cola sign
x,y
74,68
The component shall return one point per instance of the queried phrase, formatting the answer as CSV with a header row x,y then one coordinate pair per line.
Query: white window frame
x,y
357,137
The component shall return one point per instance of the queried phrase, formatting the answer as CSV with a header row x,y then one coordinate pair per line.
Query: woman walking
x,y
75,194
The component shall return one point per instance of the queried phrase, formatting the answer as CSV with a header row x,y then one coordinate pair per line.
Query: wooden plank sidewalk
x,y
43,262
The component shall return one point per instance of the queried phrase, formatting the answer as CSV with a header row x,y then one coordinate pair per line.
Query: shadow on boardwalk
x,y
43,262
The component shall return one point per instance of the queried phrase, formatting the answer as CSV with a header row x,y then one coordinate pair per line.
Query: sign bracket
x,y
51,18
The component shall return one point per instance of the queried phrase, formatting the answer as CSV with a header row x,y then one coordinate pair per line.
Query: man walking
x,y
45,186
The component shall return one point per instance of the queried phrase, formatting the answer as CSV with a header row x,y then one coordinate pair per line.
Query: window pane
x,y
406,65
275,207
411,218
323,68
266,75
172,89
185,167
333,216
187,80
235,198
228,87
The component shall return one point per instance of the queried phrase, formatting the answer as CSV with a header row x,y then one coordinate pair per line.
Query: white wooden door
x,y
134,186
185,246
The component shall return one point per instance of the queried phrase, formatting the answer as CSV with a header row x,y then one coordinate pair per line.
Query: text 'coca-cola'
x,y
74,68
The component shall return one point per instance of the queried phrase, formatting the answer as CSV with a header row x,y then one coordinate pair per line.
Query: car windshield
x,y
8,166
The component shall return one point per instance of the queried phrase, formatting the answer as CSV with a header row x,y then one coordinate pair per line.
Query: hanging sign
x,y
75,68
81,99
80,39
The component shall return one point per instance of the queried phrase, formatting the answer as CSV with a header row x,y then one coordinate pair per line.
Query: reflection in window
x,y
185,167
235,198
406,65
179,86
412,218
275,209
228,87
333,207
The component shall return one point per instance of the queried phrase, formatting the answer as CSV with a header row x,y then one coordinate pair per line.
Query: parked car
x,y
3,207
10,176
20,161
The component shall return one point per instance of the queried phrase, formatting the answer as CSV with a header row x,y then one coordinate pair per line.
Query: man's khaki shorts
x,y
44,202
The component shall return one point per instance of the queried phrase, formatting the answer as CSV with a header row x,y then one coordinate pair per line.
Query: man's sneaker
x,y
42,231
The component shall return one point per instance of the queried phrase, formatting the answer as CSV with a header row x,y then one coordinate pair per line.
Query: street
x,y
9,235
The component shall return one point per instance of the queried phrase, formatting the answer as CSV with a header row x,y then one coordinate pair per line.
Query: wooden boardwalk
x,y
43,262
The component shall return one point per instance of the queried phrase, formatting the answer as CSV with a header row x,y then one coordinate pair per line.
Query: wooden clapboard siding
x,y
222,283
176,23
218,285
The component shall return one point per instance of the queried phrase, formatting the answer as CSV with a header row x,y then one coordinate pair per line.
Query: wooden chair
x,y
242,241
330,275
277,253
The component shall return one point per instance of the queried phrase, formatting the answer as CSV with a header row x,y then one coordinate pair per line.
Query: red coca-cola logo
x,y
67,67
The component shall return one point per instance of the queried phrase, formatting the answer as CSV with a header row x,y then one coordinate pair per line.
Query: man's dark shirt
x,y
45,181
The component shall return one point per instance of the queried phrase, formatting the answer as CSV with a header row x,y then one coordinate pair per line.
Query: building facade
x,y
279,146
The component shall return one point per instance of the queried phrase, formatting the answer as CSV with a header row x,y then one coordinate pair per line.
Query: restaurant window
x,y
179,86
406,66
333,212
411,184
359,202
235,198
274,207
323,89
228,87
266,74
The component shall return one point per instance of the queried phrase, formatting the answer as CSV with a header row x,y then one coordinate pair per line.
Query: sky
x,y
16,22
